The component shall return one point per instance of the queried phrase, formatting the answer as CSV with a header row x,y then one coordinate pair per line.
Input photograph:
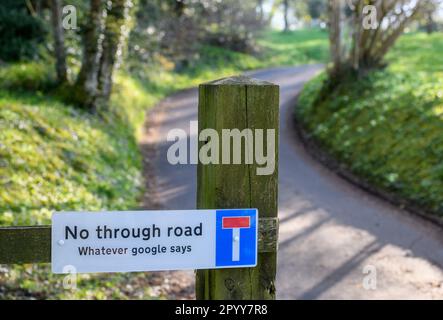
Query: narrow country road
x,y
330,231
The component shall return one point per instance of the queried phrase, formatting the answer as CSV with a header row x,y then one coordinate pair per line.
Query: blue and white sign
x,y
132,241
236,238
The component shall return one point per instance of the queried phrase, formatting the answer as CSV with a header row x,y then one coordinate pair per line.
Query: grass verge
x,y
388,127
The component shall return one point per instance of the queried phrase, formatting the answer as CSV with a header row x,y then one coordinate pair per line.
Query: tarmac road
x,y
334,237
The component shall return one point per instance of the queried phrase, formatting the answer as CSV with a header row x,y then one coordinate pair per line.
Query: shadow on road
x,y
329,229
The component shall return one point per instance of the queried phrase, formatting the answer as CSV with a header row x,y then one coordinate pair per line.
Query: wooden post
x,y
239,103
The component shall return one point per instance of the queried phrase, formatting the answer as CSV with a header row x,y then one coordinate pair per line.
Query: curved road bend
x,y
330,231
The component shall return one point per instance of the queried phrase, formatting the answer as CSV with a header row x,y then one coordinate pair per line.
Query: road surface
x,y
336,241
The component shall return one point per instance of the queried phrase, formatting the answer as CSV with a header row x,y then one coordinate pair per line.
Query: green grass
x,y
388,127
276,49
294,48
54,156
57,158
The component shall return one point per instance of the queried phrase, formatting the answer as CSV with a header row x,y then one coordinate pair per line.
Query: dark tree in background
x,y
304,12
181,28
233,25
261,10
286,14
21,31
430,21
177,30
316,8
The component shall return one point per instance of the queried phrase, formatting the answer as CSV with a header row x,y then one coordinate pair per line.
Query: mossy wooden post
x,y
239,103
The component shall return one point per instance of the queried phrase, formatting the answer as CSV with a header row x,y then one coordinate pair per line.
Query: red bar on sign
x,y
236,222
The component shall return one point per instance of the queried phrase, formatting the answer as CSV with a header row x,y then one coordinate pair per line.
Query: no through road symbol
x,y
236,223
236,243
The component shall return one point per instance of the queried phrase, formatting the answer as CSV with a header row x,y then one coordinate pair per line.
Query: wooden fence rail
x,y
25,244
19,245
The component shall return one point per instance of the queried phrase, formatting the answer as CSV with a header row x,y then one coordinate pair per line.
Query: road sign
x,y
153,240
236,241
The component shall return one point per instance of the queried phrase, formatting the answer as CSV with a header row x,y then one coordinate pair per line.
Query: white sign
x,y
153,240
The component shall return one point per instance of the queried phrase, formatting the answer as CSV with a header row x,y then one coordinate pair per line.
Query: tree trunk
x,y
357,30
87,81
261,12
59,41
334,12
430,23
115,21
286,14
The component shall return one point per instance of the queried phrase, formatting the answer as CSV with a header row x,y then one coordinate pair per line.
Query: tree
x,y
429,22
177,33
102,40
286,14
59,41
362,32
113,33
234,25
298,10
316,8
335,42
21,31
87,79
261,10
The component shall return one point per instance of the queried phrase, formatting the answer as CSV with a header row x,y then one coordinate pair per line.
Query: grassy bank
x,y
54,156
388,127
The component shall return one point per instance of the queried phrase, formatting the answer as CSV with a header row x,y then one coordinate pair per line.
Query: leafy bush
x,y
27,76
20,32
